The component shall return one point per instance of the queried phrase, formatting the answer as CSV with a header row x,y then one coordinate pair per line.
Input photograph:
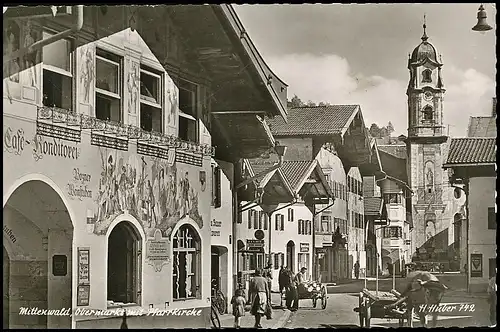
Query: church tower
x,y
433,206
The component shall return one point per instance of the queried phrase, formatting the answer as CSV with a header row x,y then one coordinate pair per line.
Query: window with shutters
x,y
300,226
216,186
124,264
265,221
250,218
186,264
492,218
261,219
256,220
276,222
282,228
290,215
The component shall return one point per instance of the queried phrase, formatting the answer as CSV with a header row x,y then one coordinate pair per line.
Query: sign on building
x,y
255,245
157,251
216,226
304,247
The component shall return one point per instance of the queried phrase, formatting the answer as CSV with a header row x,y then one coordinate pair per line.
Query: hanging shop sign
x,y
476,266
304,247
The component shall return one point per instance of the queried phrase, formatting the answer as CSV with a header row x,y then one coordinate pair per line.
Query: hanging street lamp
x,y
482,26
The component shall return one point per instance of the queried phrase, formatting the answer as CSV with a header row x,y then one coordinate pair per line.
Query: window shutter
x,y
265,221
250,219
276,222
218,190
282,222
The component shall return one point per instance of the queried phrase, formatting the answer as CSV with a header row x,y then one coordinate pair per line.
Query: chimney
x,y
494,110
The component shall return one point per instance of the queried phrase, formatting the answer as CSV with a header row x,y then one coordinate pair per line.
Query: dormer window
x,y
428,114
427,76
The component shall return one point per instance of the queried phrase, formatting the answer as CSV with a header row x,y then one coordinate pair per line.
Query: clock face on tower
x,y
428,96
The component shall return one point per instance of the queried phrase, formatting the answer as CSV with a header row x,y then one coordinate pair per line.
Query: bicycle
x,y
214,316
219,299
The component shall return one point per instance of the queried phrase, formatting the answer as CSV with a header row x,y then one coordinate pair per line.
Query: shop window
x,y
186,263
428,113
216,186
427,76
57,73
107,87
188,114
124,262
492,218
151,109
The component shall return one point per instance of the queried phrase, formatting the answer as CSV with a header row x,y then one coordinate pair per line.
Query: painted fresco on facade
x,y
133,86
87,69
30,36
156,194
172,99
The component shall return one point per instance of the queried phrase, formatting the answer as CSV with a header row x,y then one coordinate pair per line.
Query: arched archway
x,y
39,233
124,264
290,255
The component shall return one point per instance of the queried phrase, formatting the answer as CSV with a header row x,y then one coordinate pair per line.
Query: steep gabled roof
x,y
396,150
472,151
316,120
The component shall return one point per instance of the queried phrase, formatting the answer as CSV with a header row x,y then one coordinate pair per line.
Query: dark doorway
x,y
215,275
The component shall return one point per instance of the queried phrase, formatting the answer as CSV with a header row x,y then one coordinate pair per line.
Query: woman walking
x,y
259,293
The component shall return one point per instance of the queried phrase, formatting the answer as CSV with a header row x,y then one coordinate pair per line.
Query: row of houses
x,y
150,161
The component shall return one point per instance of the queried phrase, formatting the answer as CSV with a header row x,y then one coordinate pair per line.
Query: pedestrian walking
x,y
492,299
292,295
238,301
259,293
282,282
356,269
423,290
268,274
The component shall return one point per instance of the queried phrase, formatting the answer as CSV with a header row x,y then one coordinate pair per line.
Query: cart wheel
x,y
368,315
361,310
315,302
324,298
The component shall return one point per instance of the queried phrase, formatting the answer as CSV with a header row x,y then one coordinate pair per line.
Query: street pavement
x,y
470,310
280,317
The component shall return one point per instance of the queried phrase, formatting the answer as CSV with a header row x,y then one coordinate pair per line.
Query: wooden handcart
x,y
372,305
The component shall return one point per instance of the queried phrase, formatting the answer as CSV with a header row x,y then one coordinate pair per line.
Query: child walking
x,y
238,301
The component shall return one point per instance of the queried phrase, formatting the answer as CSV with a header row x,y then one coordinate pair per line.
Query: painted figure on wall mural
x,y
11,45
133,86
87,67
172,97
30,59
154,196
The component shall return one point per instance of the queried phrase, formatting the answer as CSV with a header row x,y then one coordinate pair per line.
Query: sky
x,y
358,53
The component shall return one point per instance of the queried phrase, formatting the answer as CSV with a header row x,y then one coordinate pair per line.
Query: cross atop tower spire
x,y
424,36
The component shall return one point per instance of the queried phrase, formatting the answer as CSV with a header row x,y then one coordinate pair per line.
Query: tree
x,y
310,103
390,128
295,102
374,130
322,103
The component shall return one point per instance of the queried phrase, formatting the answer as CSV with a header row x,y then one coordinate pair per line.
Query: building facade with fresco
x,y
108,149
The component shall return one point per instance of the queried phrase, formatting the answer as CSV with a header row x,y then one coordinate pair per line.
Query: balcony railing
x,y
66,124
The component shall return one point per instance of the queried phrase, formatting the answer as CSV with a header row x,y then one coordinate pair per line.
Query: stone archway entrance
x,y
39,230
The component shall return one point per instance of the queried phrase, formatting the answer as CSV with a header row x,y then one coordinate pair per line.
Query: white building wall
x,y
356,237
482,192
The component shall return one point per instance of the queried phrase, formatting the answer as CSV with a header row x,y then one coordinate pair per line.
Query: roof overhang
x,y
277,190
356,148
240,135
313,184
